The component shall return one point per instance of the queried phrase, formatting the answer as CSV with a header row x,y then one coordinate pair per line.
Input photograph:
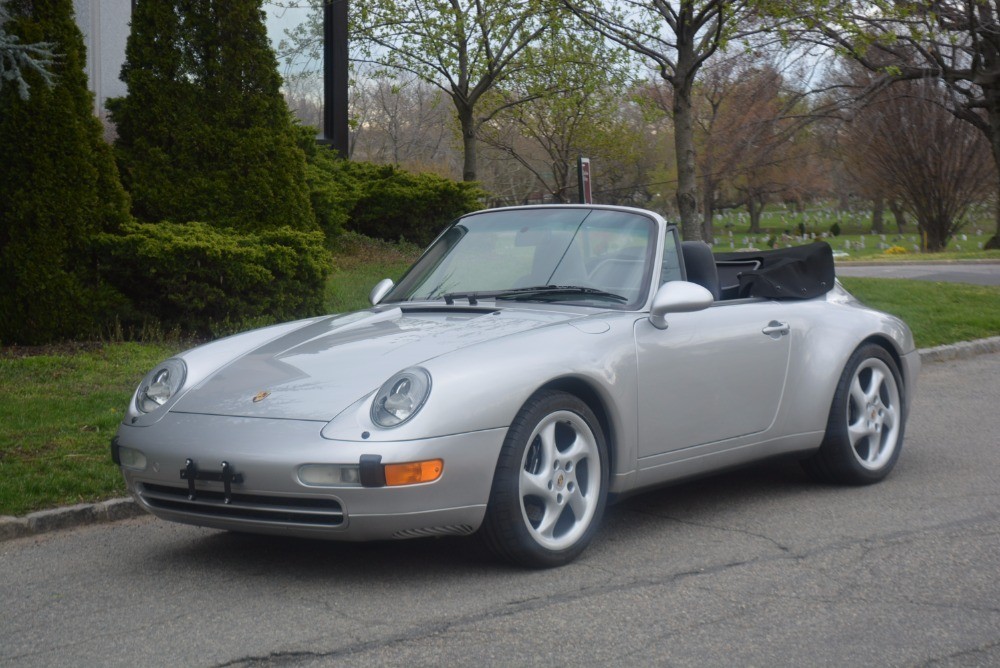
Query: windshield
x,y
591,256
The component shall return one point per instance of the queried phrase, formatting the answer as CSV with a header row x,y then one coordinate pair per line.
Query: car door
x,y
711,376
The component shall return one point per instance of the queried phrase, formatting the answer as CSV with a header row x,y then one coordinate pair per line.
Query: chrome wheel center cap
x,y
560,481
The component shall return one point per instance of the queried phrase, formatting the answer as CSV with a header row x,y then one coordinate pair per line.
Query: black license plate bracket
x,y
227,476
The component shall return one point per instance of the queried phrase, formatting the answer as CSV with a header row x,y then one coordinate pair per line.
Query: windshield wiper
x,y
474,297
533,292
559,291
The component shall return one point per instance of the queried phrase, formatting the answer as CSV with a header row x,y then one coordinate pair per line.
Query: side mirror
x,y
678,297
380,290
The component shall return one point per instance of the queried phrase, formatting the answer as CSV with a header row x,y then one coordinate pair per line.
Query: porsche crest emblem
x,y
261,396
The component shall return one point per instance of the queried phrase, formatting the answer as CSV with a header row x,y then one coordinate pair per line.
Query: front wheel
x,y
551,483
864,432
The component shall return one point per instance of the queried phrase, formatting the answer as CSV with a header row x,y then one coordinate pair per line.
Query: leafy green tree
x,y
678,38
466,48
938,165
58,186
204,133
956,42
546,132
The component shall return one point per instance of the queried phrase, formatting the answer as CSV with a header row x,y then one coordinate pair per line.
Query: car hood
x,y
318,370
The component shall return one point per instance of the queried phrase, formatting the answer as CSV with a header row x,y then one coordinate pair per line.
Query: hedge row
x,y
210,281
383,201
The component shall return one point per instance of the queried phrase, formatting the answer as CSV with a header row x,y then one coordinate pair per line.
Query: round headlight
x,y
401,397
159,385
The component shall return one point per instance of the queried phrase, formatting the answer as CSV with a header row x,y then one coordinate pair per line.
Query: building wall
x,y
105,27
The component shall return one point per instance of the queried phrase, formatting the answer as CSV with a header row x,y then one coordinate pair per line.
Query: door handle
x,y
776,329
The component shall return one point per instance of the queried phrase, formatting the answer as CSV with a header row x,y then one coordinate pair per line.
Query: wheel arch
x,y
837,460
890,347
589,395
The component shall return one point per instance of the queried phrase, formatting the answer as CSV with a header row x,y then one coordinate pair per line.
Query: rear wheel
x,y
550,485
864,432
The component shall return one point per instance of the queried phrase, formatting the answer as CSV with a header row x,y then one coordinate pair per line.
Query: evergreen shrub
x,y
382,201
204,133
333,188
399,205
206,281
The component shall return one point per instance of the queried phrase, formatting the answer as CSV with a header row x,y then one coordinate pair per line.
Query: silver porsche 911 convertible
x,y
533,362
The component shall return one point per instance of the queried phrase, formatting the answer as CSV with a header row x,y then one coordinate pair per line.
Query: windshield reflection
x,y
487,254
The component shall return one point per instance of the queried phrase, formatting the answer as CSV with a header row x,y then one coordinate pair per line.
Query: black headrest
x,y
700,266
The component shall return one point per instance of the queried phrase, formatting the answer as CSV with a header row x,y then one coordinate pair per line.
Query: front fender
x,y
484,386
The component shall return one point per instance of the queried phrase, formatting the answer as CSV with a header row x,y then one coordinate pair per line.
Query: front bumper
x,y
262,492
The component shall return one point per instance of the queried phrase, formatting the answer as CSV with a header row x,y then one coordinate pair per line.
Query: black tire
x,y
864,432
553,466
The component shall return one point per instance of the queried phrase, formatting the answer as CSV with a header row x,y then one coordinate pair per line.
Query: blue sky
x,y
280,19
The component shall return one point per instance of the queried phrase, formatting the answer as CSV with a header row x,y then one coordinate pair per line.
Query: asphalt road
x,y
757,567
977,273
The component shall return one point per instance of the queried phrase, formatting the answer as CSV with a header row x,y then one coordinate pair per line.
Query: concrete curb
x,y
68,517
957,351
113,510
910,263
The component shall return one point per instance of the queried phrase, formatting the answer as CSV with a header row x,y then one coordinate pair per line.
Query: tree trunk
x,y
707,210
934,235
991,93
754,212
994,242
561,179
687,186
898,214
469,148
843,201
878,211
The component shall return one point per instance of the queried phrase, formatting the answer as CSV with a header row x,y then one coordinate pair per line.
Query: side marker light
x,y
413,473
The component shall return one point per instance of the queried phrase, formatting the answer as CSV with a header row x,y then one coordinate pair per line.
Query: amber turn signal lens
x,y
413,472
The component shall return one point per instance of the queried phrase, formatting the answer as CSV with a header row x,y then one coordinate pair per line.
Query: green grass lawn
x,y
937,313
60,406
359,263
855,242
58,412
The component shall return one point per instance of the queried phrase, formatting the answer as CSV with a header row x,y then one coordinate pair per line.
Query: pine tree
x,y
59,186
204,133
16,58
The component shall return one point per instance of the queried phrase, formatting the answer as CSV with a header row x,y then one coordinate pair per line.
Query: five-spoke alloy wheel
x,y
864,433
550,485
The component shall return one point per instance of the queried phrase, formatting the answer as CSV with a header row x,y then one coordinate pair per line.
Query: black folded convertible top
x,y
800,272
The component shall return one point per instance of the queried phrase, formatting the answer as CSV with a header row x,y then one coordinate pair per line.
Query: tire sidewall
x,y
837,450
505,528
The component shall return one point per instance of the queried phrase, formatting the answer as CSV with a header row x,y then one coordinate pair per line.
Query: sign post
x,y
583,174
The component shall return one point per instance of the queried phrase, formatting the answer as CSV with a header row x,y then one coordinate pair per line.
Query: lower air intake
x,y
284,510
